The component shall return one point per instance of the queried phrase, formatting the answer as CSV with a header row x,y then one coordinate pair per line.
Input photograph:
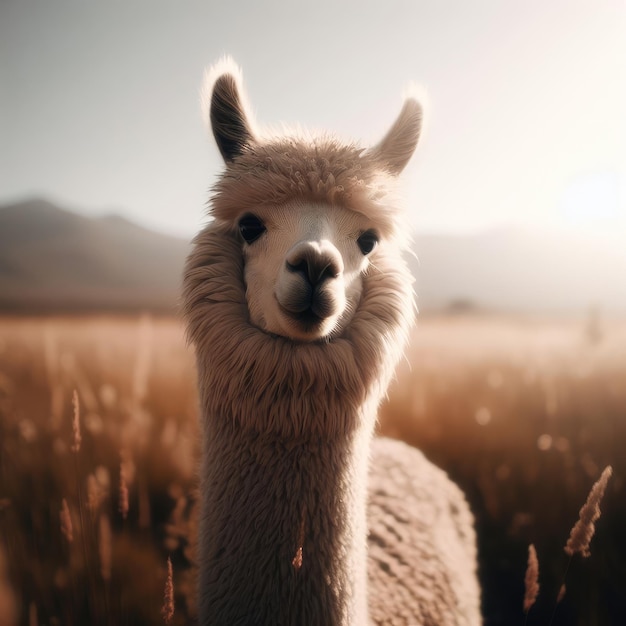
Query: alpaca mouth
x,y
309,310
307,319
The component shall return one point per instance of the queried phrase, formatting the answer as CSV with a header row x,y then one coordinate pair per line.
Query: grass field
x,y
523,414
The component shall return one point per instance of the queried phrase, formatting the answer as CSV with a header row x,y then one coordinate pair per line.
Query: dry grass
x,y
134,378
523,414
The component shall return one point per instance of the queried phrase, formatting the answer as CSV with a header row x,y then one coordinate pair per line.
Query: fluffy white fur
x,y
289,406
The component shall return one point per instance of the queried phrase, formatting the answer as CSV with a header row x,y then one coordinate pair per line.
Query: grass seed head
x,y
168,596
65,519
123,495
76,423
582,532
531,580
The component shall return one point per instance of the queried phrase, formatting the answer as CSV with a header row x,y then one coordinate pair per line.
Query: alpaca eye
x,y
367,241
251,228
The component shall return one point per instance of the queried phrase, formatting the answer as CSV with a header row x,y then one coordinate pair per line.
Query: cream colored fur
x,y
289,408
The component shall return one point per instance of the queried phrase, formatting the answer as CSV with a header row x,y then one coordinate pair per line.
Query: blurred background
x,y
515,380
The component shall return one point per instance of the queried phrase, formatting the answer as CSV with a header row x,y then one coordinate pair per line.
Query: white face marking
x,y
304,274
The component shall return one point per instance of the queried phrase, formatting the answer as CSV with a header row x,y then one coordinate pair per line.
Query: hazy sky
x,y
99,107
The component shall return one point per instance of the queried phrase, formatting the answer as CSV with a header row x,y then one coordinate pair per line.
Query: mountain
x,y
52,260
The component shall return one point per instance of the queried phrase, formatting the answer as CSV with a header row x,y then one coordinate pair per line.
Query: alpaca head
x,y
312,213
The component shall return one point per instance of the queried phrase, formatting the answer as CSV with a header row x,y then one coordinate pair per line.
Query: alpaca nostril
x,y
329,271
315,270
300,267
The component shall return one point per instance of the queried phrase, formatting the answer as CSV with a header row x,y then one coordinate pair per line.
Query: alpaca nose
x,y
316,262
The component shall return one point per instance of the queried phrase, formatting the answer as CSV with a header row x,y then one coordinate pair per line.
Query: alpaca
x,y
299,303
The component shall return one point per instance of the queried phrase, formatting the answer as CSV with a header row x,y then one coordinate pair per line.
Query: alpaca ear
x,y
230,123
397,146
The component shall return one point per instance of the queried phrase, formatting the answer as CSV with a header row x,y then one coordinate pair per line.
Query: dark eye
x,y
367,241
251,228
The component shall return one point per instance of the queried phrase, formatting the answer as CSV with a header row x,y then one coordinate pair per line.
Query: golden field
x,y
523,413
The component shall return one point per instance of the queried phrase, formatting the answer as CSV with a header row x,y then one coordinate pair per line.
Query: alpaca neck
x,y
286,432
283,529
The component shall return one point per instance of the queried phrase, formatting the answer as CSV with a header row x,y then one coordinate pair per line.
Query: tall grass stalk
x,y
583,530
105,550
76,444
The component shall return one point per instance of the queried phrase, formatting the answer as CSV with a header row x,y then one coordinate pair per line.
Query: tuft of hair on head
x,y
584,529
225,109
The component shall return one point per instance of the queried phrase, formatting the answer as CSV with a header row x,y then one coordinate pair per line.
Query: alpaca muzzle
x,y
311,285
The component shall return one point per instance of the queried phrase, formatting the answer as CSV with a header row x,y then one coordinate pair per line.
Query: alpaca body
x,y
421,544
299,303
